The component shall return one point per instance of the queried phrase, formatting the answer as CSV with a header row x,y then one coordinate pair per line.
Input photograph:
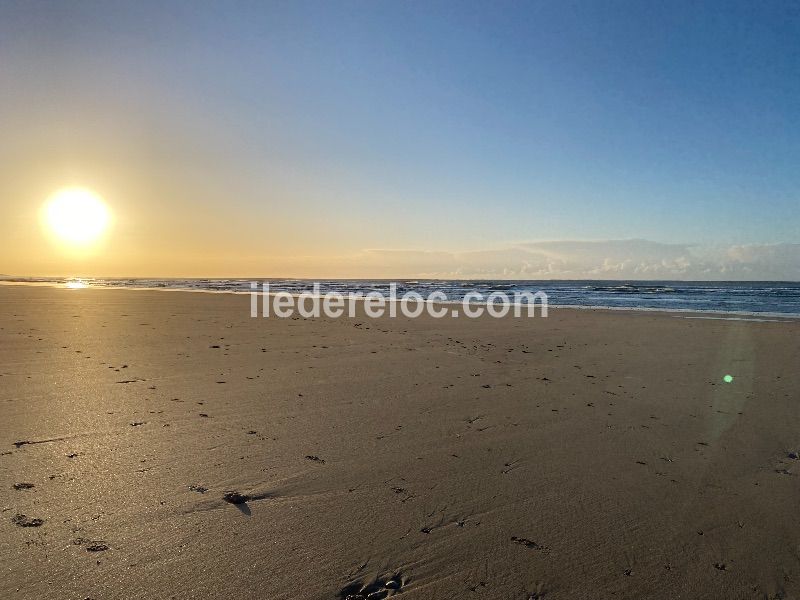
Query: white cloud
x,y
610,259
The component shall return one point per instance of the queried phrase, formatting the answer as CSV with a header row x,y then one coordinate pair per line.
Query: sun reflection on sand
x,y
75,284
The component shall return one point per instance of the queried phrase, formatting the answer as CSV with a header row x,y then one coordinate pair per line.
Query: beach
x,y
589,454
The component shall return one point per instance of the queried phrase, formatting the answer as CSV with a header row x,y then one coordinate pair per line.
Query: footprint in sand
x,y
381,587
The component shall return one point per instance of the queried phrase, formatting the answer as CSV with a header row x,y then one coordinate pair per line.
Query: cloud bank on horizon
x,y
609,259
633,259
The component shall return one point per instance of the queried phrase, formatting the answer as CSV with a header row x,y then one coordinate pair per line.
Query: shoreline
x,y
678,312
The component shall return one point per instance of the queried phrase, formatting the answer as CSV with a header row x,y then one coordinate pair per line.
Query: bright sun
x,y
76,215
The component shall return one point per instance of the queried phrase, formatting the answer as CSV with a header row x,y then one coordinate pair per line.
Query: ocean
x,y
764,298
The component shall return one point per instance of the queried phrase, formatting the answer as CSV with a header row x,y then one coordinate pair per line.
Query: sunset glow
x,y
76,216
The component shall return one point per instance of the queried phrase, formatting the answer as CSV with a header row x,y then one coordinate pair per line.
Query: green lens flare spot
x,y
727,378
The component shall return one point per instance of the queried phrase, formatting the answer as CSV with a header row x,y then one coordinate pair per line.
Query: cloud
x,y
772,258
606,259
609,259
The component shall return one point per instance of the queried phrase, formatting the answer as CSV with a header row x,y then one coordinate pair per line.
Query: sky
x,y
645,140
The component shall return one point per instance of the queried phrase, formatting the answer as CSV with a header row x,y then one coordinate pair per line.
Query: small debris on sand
x,y
198,488
315,458
23,486
26,521
97,547
526,542
232,497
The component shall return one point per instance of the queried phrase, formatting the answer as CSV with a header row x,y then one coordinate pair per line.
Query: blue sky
x,y
426,127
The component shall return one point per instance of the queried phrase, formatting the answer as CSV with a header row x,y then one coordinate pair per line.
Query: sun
x,y
76,215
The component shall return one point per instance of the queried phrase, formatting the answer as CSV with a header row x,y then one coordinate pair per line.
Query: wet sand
x,y
591,454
